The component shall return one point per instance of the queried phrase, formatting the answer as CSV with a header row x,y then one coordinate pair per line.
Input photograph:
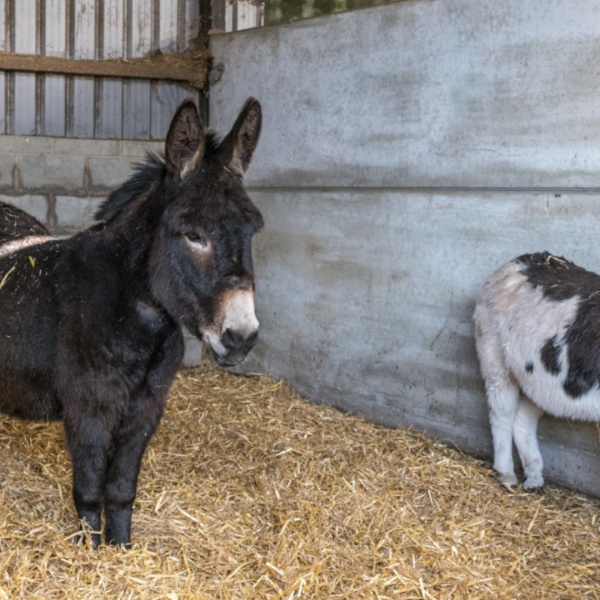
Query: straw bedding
x,y
249,492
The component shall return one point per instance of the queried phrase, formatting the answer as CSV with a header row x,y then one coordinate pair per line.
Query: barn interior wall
x,y
407,151
49,104
62,181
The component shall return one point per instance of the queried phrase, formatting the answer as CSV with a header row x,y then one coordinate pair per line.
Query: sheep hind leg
x,y
525,432
503,401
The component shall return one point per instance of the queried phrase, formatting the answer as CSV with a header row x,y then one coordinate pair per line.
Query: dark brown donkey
x,y
90,326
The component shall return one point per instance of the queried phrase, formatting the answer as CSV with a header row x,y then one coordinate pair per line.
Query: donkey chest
x,y
114,363
132,333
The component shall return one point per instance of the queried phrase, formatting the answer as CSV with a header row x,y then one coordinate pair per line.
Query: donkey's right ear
x,y
238,146
184,147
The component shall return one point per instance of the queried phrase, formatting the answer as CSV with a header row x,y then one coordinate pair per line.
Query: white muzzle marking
x,y
235,313
238,313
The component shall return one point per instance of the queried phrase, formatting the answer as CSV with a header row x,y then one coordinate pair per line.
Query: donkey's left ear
x,y
184,147
239,144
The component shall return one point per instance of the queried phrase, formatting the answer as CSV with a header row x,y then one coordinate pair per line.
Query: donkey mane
x,y
146,173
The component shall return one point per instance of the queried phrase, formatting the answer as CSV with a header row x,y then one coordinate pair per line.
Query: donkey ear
x,y
184,147
239,144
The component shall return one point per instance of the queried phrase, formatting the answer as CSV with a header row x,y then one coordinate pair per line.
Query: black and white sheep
x,y
537,331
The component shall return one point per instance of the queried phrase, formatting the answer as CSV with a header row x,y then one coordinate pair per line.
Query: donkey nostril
x,y
231,338
252,340
227,337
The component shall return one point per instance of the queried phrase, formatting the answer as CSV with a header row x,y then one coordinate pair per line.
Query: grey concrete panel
x,y
68,166
6,171
35,205
138,149
407,151
455,93
193,350
365,300
109,172
14,144
51,171
74,213
77,147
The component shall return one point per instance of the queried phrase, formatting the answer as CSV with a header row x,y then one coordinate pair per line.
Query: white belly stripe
x,y
14,245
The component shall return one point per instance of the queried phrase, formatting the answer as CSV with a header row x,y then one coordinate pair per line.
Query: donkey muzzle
x,y
237,347
237,328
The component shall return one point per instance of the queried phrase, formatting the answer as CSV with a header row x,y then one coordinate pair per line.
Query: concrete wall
x,y
63,181
407,151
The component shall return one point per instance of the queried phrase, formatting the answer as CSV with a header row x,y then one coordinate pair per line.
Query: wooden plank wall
x,y
92,107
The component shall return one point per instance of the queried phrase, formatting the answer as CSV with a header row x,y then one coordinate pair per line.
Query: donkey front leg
x,y
121,483
129,443
89,442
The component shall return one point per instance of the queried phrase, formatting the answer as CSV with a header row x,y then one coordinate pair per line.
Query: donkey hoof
x,y
86,538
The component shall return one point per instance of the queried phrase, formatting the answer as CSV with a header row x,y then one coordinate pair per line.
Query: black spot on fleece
x,y
560,280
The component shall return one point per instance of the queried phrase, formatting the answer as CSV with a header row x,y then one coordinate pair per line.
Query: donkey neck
x,y
133,228
125,240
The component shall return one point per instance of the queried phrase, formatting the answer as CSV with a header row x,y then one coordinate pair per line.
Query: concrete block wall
x,y
62,182
407,151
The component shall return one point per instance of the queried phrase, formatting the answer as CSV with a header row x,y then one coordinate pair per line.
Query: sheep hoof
x,y
508,479
534,484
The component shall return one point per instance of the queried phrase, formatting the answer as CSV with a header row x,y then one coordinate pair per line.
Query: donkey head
x,y
202,257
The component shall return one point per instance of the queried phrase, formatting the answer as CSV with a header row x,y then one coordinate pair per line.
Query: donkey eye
x,y
196,238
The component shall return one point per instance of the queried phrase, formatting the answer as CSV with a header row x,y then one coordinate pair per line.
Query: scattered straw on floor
x,y
249,492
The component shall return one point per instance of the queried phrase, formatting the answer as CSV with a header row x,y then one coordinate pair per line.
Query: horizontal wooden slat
x,y
190,68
